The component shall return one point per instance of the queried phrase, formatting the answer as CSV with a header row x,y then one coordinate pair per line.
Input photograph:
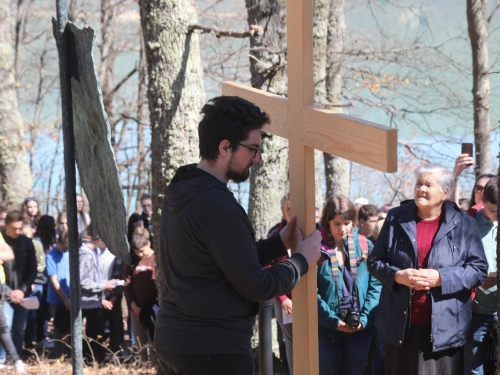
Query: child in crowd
x,y
31,212
141,294
58,271
93,252
283,305
485,303
348,295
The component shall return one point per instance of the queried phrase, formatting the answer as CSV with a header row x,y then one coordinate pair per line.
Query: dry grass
x,y
40,364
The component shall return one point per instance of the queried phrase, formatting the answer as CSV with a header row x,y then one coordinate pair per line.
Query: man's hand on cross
x,y
309,247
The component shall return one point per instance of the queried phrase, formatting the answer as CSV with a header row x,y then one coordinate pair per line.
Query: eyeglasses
x,y
478,189
255,150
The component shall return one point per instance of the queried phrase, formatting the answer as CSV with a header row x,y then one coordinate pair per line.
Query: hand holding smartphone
x,y
468,148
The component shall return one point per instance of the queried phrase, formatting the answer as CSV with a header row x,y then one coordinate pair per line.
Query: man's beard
x,y
238,177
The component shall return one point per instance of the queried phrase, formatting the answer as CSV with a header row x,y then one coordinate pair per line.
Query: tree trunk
x,y
141,146
269,180
329,29
478,34
175,91
15,175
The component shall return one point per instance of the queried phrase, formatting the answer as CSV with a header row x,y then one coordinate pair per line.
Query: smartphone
x,y
468,148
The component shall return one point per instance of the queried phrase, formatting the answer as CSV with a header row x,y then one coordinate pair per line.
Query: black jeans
x,y
116,331
94,330
206,364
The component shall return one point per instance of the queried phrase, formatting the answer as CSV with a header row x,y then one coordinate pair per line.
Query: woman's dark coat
x,y
457,253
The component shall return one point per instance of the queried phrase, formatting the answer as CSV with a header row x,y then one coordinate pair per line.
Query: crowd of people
x,y
400,290
408,289
35,266
380,313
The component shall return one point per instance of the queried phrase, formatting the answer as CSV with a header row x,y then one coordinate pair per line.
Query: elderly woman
x,y
428,256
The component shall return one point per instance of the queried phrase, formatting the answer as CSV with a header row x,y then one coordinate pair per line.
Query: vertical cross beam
x,y
302,191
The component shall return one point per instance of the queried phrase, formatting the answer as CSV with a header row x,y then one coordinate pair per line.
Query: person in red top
x,y
283,304
140,291
428,256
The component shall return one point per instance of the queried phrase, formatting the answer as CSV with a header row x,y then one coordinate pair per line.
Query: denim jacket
x,y
457,253
330,292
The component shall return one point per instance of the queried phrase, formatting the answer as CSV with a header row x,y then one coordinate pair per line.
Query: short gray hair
x,y
446,179
284,199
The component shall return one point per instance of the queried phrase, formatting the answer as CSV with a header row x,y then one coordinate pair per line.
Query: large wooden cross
x,y
308,128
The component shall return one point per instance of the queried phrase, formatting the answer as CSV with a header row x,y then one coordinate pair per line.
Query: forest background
x,y
406,64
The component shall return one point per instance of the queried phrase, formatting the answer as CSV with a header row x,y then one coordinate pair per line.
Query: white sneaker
x,y
45,343
20,368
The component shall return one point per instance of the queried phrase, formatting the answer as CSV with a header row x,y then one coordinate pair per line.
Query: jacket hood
x,y
188,182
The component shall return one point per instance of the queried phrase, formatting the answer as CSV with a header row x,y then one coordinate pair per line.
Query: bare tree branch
x,y
124,79
254,31
493,11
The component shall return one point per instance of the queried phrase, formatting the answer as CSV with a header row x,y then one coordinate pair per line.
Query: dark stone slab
x,y
95,157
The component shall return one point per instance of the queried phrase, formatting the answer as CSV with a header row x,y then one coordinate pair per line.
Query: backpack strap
x,y
353,262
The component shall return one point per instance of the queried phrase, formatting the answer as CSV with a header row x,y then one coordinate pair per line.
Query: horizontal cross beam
x,y
357,140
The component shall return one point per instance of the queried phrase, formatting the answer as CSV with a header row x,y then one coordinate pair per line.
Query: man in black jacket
x,y
211,267
20,273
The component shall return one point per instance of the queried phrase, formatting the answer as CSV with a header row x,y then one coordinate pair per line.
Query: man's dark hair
x,y
366,211
490,192
227,117
145,196
138,241
13,217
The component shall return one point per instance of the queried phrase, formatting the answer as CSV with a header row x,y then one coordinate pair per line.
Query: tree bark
x,y
15,175
141,146
269,178
478,35
329,32
175,91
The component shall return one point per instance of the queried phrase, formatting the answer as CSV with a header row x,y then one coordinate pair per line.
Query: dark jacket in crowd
x,y
20,273
457,253
211,268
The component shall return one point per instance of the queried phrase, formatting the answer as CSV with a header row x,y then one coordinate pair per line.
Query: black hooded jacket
x,y
211,268
20,273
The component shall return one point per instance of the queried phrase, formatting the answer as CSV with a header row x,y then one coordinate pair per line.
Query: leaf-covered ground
x,y
56,367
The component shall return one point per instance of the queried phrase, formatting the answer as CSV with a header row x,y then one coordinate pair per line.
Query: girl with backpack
x,y
347,294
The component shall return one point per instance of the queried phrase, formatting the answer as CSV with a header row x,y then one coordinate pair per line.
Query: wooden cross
x,y
308,128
